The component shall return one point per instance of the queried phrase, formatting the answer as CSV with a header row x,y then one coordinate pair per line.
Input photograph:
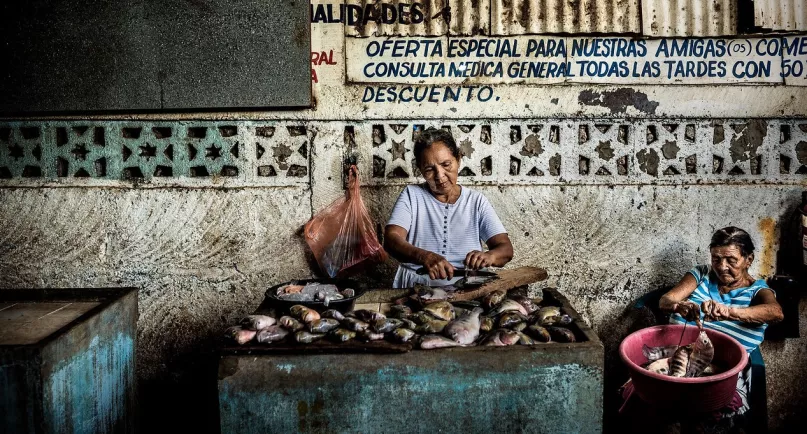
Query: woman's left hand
x,y
475,260
715,311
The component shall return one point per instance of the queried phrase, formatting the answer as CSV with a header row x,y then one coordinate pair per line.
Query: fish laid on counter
x,y
240,335
524,339
539,332
257,322
304,314
400,311
509,319
430,342
657,353
508,305
427,293
332,313
501,338
354,324
486,324
402,335
274,333
386,325
561,334
291,323
493,299
421,317
526,302
369,335
465,329
367,315
692,359
434,326
323,325
342,335
546,315
408,324
305,337
442,310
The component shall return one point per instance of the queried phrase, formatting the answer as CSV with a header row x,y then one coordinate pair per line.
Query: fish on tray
x,y
508,305
367,315
305,337
341,335
274,333
257,322
323,325
465,329
386,325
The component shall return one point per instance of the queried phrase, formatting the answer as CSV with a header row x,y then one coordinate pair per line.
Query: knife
x,y
465,272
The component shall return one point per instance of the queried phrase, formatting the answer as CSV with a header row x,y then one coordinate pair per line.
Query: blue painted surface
x,y
464,392
89,390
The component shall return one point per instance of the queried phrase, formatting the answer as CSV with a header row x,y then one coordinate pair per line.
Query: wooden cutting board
x,y
508,279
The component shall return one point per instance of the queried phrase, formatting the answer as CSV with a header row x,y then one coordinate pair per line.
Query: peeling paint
x,y
767,251
618,101
748,139
648,161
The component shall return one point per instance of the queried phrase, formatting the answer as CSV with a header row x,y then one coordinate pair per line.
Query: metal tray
x,y
281,306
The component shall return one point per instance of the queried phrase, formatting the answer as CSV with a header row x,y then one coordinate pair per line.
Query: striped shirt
x,y
749,335
450,230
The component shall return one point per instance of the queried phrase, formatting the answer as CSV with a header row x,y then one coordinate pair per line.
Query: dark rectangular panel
x,y
99,55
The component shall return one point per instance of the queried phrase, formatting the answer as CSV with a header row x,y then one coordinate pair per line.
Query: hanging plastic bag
x,y
342,236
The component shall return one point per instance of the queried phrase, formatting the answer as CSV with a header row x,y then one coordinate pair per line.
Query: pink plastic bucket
x,y
700,394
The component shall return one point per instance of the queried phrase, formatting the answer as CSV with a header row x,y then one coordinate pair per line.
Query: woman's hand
x,y
475,260
689,310
715,311
438,267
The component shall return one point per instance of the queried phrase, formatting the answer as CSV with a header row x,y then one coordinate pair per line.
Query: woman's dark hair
x,y
431,136
733,236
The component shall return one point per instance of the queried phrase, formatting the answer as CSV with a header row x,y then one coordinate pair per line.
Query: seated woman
x,y
723,296
439,225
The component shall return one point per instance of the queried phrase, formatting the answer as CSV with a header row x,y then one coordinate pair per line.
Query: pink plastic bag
x,y
342,236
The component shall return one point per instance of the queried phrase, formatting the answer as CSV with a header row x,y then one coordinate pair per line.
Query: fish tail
x,y
649,353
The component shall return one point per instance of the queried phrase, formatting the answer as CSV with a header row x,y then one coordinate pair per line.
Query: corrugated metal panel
x,y
689,17
788,15
470,17
433,24
516,17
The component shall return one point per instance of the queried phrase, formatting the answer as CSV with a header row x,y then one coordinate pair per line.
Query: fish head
x,y
703,342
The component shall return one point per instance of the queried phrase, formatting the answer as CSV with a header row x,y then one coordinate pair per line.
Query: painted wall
x,y
614,189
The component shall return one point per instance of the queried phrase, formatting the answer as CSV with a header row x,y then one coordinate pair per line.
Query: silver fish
x,y
274,333
240,335
323,325
332,313
465,329
658,353
441,310
303,313
402,335
660,366
435,326
526,302
257,322
400,311
430,342
501,338
428,293
560,334
509,319
493,299
539,333
367,315
342,335
354,324
291,323
508,305
369,335
386,325
408,324
305,337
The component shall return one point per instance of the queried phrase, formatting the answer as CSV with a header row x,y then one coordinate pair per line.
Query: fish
x,y
465,329
273,333
466,304
340,334
458,312
660,366
510,319
408,324
354,324
501,338
421,317
539,332
291,323
303,313
323,325
427,293
712,369
508,305
430,342
386,325
441,310
257,322
240,335
519,327
332,313
486,324
526,302
402,335
369,335
546,316
290,289
367,315
524,339
305,337
560,334
691,360
434,326
494,298
400,311
657,353
348,292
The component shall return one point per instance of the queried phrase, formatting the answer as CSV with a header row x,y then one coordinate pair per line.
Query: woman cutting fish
x,y
723,296
439,225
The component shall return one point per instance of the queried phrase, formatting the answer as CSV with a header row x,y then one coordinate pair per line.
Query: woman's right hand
x,y
689,310
438,267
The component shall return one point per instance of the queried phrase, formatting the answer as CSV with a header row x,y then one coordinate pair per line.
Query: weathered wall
x,y
615,190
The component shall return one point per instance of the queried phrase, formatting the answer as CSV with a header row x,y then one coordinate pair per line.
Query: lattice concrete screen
x,y
278,153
